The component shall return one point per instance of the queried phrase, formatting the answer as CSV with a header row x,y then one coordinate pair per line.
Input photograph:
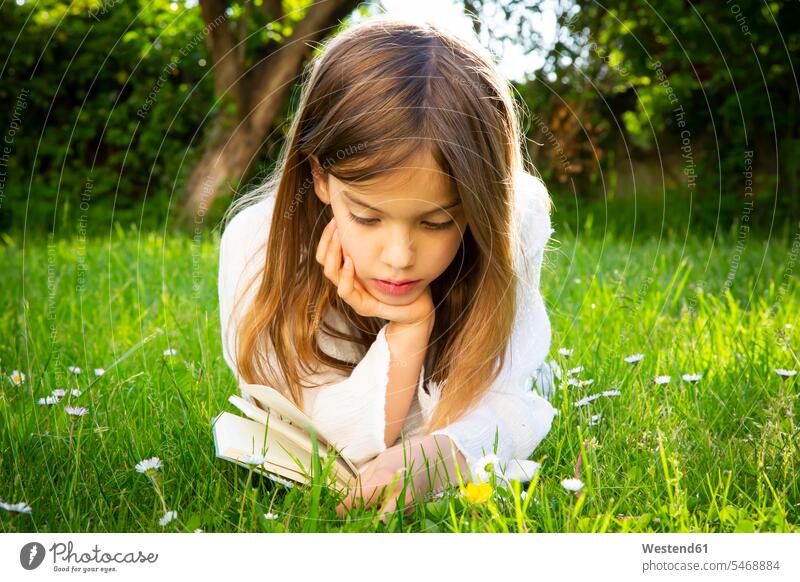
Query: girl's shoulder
x,y
250,212
249,225
534,205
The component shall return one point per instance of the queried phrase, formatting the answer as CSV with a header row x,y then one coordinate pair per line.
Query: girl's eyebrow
x,y
355,200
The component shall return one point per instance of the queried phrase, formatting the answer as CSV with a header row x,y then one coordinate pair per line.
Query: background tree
x,y
257,55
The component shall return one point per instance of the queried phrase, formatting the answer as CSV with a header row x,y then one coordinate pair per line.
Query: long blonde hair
x,y
378,93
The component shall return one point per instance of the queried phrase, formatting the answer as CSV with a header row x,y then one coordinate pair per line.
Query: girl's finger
x,y
333,261
348,288
357,285
345,287
349,499
392,505
324,242
386,514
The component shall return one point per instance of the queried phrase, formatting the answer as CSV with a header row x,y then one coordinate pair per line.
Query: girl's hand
x,y
383,478
342,274
380,484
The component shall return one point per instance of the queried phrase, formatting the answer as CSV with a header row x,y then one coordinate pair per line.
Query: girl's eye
x,y
428,225
360,220
439,225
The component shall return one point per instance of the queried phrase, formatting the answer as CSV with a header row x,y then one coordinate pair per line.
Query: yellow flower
x,y
477,492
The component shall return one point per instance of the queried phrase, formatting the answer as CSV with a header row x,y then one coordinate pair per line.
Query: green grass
x,y
720,455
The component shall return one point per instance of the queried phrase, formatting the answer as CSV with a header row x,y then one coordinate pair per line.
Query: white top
x,y
350,409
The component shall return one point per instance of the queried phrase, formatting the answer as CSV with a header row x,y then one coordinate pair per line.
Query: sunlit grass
x,y
719,454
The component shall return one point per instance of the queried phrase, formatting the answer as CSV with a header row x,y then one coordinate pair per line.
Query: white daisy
x,y
692,377
151,464
59,393
485,467
99,371
572,484
76,410
170,352
565,352
76,392
574,371
586,400
270,515
168,517
20,507
580,383
634,358
75,370
17,377
251,459
595,419
661,380
556,369
785,373
49,400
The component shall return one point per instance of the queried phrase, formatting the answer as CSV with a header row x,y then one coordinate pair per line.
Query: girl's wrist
x,y
414,330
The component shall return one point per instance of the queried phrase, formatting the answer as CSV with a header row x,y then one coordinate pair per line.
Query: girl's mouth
x,y
394,288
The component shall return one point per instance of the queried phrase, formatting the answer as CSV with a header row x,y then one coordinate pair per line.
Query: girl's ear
x,y
320,180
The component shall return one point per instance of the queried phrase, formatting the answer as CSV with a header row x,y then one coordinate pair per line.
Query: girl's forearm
x,y
407,346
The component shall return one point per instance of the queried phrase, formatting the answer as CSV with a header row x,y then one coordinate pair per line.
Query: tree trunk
x,y
251,100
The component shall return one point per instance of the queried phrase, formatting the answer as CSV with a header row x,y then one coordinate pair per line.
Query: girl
x,y
386,276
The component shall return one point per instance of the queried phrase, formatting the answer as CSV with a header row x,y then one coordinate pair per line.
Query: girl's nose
x,y
398,253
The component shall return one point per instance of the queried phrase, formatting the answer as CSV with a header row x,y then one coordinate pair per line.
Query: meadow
x,y
718,453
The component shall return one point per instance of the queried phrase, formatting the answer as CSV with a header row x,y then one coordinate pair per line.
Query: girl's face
x,y
406,226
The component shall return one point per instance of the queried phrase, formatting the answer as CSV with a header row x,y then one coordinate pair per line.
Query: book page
x,y
235,436
253,412
290,413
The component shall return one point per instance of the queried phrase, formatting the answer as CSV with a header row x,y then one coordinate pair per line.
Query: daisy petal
x,y
168,517
151,464
20,507
572,484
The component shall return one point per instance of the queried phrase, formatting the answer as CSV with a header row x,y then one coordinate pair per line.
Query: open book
x,y
281,433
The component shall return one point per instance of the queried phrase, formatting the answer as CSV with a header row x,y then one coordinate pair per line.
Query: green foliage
x,y
726,65
112,98
108,104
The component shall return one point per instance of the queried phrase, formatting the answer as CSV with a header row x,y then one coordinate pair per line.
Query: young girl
x,y
386,276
